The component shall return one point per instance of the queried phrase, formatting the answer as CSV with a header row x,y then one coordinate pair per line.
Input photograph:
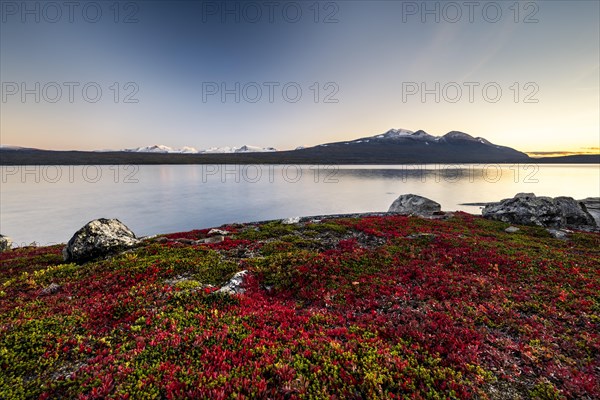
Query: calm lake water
x,y
47,204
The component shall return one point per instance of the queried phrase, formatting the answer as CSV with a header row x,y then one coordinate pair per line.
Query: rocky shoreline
x,y
525,209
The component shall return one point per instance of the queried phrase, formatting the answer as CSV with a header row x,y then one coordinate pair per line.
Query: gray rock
x,y
99,238
512,229
524,195
421,236
214,239
414,205
290,220
216,231
234,285
592,203
528,209
209,240
50,289
185,241
593,206
5,243
558,234
574,212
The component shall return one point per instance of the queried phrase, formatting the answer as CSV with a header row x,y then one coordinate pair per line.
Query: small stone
x,y
221,232
558,234
290,221
50,289
161,239
234,286
421,236
214,239
512,229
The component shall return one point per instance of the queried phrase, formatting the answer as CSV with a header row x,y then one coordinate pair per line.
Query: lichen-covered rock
x,y
414,205
99,238
234,285
5,243
529,209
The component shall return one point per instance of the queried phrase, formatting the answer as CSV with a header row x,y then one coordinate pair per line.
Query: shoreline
x,y
306,156
592,204
443,215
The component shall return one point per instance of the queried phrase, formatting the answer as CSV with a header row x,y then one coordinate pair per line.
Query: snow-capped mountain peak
x,y
407,136
187,150
254,149
403,134
393,133
160,148
243,149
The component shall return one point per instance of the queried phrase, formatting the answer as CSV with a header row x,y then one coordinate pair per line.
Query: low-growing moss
x,y
546,391
271,229
188,284
327,226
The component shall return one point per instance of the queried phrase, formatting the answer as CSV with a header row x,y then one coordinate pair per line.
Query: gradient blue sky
x,y
371,53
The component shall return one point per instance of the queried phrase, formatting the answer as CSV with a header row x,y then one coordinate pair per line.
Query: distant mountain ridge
x,y
395,146
401,135
420,135
405,146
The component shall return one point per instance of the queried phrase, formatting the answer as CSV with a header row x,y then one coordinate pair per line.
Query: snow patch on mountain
x,y
405,134
243,149
399,134
162,149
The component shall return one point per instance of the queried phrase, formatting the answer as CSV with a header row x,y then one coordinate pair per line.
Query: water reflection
x,y
46,205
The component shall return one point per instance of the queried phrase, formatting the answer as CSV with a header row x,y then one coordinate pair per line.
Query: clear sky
x,y
209,73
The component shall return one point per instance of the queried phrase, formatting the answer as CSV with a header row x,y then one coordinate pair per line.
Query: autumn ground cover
x,y
346,308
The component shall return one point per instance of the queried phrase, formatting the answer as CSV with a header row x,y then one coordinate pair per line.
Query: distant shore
x,y
306,156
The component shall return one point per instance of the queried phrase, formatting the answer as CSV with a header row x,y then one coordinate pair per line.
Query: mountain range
x,y
162,149
396,146
404,146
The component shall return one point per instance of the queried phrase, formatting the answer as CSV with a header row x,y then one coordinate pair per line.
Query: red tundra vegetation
x,y
344,308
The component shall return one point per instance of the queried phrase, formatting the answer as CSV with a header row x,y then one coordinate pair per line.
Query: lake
x,y
47,204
